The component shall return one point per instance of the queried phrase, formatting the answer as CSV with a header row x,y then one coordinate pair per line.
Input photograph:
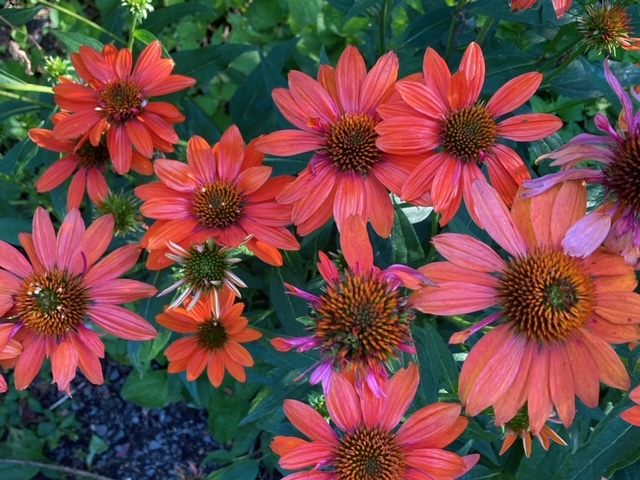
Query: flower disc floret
x,y
217,205
351,143
468,133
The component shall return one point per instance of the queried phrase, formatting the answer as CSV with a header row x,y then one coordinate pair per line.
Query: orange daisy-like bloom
x,y
115,101
87,161
442,114
336,117
518,427
562,301
368,446
10,349
48,297
224,193
217,329
362,321
560,6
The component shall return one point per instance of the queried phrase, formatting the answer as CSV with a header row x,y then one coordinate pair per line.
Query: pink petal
x,y
467,252
44,238
121,322
586,235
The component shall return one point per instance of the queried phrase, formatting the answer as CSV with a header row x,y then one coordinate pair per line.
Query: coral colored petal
x,y
421,178
561,384
530,127
229,155
378,82
497,376
479,356
176,175
76,124
121,322
454,298
437,463
514,94
355,244
378,207
120,150
178,321
196,364
343,404
569,207
97,238
436,73
473,66
508,406
56,174
619,307
26,240
251,179
539,404
447,272
349,198
585,371
139,137
215,370
446,189
121,290
76,189
29,362
64,363
632,416
496,219
44,238
172,230
307,455
171,84
402,388
70,235
350,74
266,253
113,265
97,187
428,425
312,98
408,135
13,261
467,252
635,395
421,98
309,422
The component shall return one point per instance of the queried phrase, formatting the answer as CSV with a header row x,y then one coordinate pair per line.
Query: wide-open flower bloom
x,y
560,6
518,427
617,153
368,446
632,415
115,102
10,349
49,296
215,331
87,161
456,134
224,193
561,302
336,117
362,319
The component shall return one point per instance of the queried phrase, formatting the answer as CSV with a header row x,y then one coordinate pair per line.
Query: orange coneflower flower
x,y
337,115
87,161
368,446
560,6
10,349
223,193
115,102
518,427
443,115
561,299
217,330
362,321
632,415
48,297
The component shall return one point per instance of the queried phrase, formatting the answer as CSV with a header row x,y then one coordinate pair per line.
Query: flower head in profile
x,y
10,349
368,445
336,118
49,295
561,302
518,427
86,162
442,113
215,330
205,269
223,193
617,153
561,7
361,321
632,415
115,102
607,26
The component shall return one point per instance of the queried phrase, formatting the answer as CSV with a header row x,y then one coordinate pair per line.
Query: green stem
x,y
134,22
483,32
81,19
552,61
460,322
452,29
27,188
15,96
58,468
384,20
565,64
26,87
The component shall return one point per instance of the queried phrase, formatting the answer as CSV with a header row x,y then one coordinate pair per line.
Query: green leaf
x,y
15,17
405,246
11,227
303,13
359,7
18,157
206,63
244,469
288,307
146,37
74,41
149,391
163,17
15,107
614,444
438,369
96,446
227,407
